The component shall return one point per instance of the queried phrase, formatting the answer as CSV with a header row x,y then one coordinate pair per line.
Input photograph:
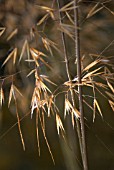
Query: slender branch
x,y
64,42
78,59
68,72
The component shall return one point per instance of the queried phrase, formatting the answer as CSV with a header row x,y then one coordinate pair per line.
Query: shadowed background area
x,y
21,22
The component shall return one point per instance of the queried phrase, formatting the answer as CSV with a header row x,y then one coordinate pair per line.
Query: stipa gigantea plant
x,y
97,75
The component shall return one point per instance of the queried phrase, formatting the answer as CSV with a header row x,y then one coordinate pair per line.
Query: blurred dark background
x,y
96,32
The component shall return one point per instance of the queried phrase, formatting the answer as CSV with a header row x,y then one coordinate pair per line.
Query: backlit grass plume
x,y
52,68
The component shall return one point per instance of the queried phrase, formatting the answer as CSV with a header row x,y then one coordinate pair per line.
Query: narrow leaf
x,y
93,11
98,107
112,12
31,72
37,132
91,65
91,73
12,54
1,96
67,6
110,86
46,78
13,33
2,29
17,90
23,50
111,104
15,55
45,8
69,17
59,124
19,127
11,94
42,19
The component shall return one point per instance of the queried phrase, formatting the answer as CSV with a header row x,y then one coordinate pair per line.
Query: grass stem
x,y
68,71
78,60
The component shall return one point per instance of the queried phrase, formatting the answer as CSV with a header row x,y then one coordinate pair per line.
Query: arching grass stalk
x,y
78,61
68,71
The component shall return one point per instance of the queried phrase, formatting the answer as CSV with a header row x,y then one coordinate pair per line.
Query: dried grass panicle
x,y
35,48
42,97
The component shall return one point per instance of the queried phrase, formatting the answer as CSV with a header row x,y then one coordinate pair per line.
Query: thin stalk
x,y
78,59
68,72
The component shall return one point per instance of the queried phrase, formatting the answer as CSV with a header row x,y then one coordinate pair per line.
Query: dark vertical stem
x,y
64,42
78,60
68,72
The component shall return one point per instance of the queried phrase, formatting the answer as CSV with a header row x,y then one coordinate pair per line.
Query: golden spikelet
x,y
59,125
1,96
